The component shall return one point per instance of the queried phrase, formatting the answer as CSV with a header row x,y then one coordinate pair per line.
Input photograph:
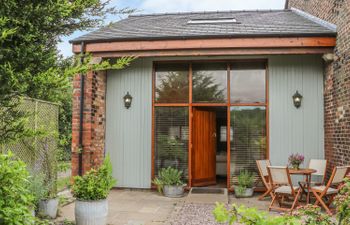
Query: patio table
x,y
307,173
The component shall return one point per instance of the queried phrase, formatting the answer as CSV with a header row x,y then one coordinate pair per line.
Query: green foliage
x,y
342,201
168,176
311,215
37,187
15,197
250,216
245,180
29,61
95,184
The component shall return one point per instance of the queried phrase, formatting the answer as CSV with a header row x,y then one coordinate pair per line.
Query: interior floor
x,y
221,182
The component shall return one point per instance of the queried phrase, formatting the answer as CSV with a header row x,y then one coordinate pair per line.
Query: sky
x,y
161,6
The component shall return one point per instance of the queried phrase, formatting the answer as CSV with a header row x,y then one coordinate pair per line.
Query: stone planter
x,y
249,192
48,207
173,191
91,212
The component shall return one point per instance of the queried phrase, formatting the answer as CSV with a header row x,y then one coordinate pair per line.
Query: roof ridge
x,y
208,12
315,19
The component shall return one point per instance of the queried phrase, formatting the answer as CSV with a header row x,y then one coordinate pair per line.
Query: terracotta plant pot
x,y
91,212
173,191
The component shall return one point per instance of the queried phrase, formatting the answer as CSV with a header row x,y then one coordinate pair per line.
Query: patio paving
x,y
143,207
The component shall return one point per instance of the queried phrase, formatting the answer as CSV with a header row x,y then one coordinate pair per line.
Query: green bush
x,y
95,184
15,197
245,180
167,176
342,202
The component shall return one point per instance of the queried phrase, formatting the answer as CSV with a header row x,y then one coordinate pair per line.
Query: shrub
x,y
95,184
342,202
15,197
245,180
168,176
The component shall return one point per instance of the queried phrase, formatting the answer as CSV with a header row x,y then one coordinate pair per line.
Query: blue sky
x,y
160,6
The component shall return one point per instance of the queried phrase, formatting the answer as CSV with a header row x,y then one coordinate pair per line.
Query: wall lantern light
x,y
297,99
127,100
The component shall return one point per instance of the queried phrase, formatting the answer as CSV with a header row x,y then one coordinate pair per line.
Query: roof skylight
x,y
214,20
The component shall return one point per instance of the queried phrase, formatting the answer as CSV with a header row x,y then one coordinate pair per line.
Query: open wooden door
x,y
204,147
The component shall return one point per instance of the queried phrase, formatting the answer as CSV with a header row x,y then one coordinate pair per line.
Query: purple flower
x,y
296,159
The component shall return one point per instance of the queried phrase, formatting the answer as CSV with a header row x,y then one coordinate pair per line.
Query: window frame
x,y
191,104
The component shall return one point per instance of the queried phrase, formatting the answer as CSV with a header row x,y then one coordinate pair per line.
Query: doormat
x,y
205,190
207,195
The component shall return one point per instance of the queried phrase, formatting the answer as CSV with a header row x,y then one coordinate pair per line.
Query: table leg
x,y
308,189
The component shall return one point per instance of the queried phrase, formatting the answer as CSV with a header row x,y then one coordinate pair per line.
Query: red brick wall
x,y
337,78
94,120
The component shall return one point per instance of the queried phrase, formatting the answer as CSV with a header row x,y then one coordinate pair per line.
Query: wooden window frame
x,y
227,104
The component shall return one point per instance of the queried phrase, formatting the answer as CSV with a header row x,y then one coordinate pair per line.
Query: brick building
x,y
212,92
337,77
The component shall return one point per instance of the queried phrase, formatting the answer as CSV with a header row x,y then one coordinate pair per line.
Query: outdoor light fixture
x,y
297,99
127,100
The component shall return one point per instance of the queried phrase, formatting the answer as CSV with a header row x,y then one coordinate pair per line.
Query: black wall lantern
x,y
297,99
127,100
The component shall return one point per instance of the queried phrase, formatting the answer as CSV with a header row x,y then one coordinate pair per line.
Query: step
x,y
207,195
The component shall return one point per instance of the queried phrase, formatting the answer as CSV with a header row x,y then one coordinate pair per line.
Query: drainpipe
x,y
82,85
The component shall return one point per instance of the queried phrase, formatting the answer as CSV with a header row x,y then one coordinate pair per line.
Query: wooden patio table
x,y
307,173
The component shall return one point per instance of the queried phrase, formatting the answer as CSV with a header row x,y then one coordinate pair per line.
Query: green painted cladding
x,y
296,130
128,131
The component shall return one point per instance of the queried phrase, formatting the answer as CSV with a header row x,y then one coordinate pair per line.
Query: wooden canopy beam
x,y
267,45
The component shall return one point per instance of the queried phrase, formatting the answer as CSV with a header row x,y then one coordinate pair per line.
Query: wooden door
x,y
204,147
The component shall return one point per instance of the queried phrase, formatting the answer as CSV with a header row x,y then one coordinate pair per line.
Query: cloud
x,y
208,5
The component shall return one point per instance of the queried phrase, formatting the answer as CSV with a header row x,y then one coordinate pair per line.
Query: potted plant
x,y
245,184
91,191
169,182
295,160
38,189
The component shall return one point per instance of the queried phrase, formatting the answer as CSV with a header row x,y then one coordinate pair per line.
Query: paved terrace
x,y
143,207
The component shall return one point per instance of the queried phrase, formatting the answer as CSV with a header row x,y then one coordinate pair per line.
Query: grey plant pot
x,y
91,212
249,192
173,191
48,207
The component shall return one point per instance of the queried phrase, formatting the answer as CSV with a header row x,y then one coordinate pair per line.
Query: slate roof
x,y
175,26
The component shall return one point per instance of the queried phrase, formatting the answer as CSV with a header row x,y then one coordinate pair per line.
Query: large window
x,y
171,83
171,138
209,82
247,82
249,138
238,87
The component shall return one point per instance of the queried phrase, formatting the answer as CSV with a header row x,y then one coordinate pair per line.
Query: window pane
x,y
171,83
247,83
209,82
249,139
171,138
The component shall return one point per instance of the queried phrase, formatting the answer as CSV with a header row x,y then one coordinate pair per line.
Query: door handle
x,y
214,134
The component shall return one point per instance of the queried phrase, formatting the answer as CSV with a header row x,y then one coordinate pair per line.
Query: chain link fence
x,y
39,150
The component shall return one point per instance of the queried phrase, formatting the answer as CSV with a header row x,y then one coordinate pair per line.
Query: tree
x,y
29,61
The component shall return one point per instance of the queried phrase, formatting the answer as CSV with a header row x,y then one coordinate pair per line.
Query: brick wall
x,y
337,78
94,120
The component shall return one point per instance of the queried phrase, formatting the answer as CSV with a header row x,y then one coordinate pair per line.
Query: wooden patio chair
x,y
282,187
331,189
320,165
264,174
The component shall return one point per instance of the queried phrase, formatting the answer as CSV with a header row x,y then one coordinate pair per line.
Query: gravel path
x,y
194,214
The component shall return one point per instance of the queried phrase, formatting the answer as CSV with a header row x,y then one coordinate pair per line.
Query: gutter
x,y
81,117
